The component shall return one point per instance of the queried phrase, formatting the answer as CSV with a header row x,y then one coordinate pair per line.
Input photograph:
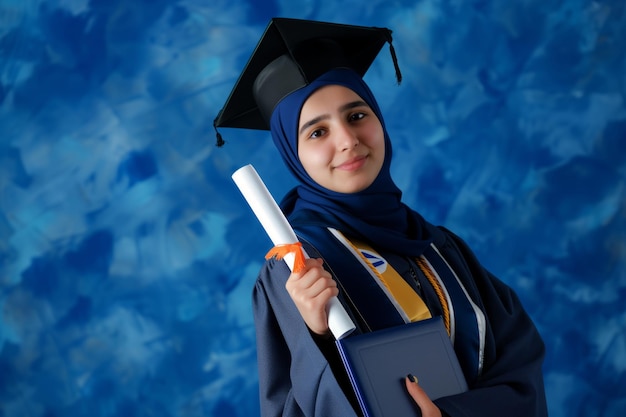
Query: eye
x,y
353,117
317,133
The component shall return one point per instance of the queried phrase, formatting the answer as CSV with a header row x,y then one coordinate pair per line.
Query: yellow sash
x,y
409,300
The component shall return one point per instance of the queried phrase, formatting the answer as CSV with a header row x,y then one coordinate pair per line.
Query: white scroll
x,y
280,232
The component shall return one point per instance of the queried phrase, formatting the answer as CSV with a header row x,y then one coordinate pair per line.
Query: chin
x,y
353,188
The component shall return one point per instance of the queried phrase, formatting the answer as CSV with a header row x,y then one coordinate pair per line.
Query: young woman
x,y
346,208
338,149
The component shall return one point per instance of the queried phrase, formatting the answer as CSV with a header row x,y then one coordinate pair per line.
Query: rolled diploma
x,y
280,232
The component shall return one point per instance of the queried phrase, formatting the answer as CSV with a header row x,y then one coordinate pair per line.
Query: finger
x,y
310,277
315,283
323,289
297,280
314,289
309,264
416,392
428,408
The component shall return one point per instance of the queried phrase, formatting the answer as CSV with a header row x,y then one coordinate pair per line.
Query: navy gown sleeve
x,y
512,380
295,379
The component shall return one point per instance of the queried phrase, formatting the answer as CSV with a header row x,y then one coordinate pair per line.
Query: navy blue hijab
x,y
375,214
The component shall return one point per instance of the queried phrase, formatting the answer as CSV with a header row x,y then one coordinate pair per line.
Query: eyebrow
x,y
347,106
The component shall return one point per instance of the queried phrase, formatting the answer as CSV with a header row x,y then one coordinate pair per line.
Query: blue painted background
x,y
127,255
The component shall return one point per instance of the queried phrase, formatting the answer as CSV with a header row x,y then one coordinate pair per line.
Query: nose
x,y
346,137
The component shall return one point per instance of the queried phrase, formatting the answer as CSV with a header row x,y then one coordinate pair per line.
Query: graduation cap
x,y
291,54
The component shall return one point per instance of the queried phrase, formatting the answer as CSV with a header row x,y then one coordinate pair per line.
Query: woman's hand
x,y
429,409
310,290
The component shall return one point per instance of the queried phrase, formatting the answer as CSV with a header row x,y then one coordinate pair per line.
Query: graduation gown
x,y
300,375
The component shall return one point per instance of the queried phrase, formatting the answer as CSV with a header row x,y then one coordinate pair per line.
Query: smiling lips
x,y
352,164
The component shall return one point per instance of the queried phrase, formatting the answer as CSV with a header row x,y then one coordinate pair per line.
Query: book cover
x,y
378,363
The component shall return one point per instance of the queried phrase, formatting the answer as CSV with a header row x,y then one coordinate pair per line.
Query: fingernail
x,y
412,378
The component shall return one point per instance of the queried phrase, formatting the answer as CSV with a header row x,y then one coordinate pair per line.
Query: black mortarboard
x,y
291,54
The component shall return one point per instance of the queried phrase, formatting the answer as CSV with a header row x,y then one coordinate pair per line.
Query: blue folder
x,y
378,362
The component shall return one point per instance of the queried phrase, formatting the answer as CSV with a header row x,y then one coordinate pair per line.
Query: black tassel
x,y
219,141
394,58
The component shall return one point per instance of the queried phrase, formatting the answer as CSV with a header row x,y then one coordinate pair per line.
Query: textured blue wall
x,y
127,255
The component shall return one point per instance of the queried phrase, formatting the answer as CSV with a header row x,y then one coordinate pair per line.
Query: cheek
x,y
308,159
375,137
380,137
313,155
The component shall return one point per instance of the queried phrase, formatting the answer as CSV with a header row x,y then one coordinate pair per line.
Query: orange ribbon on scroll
x,y
279,252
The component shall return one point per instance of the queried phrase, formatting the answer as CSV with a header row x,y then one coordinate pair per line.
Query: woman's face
x,y
341,143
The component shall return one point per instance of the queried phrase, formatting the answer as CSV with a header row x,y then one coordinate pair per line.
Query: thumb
x,y
428,408
417,393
